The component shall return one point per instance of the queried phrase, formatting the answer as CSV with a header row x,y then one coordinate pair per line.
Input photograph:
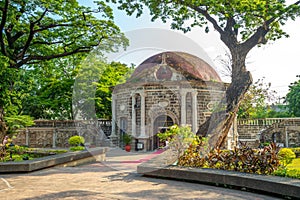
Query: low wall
x,y
55,133
64,159
161,167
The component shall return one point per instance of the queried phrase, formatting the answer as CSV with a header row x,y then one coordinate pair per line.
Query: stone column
x,y
183,106
286,137
194,111
54,136
143,114
113,107
27,137
133,113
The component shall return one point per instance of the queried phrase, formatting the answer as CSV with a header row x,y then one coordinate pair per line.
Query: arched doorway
x,y
160,125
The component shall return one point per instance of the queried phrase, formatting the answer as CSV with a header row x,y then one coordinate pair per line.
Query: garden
x,y
12,152
194,151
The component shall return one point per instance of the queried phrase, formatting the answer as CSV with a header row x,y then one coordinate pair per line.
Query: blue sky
x,y
278,61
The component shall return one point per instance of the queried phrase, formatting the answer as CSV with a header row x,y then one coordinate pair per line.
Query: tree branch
x,y
2,24
31,34
36,58
52,26
208,17
259,36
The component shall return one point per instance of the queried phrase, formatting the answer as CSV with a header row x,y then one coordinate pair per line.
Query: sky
x,y
276,62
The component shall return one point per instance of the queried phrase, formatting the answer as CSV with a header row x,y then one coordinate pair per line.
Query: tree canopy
x,y
293,98
242,25
34,32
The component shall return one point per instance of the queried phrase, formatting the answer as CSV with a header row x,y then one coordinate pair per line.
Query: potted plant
x,y
127,141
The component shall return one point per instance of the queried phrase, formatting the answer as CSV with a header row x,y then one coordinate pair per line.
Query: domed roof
x,y
190,66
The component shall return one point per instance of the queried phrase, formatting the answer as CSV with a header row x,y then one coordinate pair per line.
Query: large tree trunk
x,y
219,123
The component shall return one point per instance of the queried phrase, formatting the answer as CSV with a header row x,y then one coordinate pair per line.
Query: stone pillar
x,y
286,137
27,137
133,113
183,106
113,123
54,136
143,115
194,111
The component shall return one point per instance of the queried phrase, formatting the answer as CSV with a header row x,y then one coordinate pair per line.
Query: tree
x,y
293,98
35,31
93,87
49,94
242,25
255,102
115,73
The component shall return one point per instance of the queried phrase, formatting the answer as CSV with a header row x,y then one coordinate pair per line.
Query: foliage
x,y
286,156
194,155
93,87
20,153
17,122
179,138
36,33
293,98
50,88
127,139
242,159
255,102
76,140
77,148
113,74
292,170
295,164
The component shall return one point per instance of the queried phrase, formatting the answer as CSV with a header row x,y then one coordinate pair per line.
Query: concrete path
x,y
116,178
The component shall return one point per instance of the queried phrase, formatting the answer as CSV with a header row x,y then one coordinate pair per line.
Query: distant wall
x,y
55,133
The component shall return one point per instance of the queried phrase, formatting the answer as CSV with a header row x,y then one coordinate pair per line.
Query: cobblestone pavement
x,y
114,179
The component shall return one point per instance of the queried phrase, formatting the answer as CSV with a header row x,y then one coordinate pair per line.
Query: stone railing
x,y
268,121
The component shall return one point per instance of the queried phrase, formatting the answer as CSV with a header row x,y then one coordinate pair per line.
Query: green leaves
x,y
293,98
242,159
41,43
255,101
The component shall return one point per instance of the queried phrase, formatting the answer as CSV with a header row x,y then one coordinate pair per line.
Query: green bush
x,y
293,173
77,148
242,159
76,140
179,138
286,156
284,172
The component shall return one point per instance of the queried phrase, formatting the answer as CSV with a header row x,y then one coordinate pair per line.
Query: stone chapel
x,y
166,89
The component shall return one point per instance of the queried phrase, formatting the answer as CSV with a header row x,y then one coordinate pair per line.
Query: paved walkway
x,y
116,178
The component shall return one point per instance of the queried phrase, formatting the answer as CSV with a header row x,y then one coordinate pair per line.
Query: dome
x,y
190,66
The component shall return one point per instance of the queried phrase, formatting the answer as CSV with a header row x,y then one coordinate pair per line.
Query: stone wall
x,y
284,131
55,133
49,133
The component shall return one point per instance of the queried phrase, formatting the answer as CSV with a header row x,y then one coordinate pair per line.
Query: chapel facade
x,y
166,89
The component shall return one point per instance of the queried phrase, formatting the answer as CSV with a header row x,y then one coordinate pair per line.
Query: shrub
x,y
77,148
293,173
286,156
76,140
242,159
179,138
